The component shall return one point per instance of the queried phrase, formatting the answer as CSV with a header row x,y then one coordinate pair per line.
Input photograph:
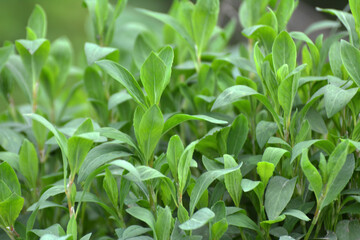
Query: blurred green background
x,y
65,18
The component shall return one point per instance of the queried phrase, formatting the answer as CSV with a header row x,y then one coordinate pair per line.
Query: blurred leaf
x,y
199,219
29,163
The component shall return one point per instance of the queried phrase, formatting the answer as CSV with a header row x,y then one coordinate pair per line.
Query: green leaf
x,y
60,138
236,93
5,53
264,130
8,176
37,22
78,149
243,221
296,213
173,154
204,181
278,195
150,130
29,163
347,20
284,51
218,229
335,186
163,223
94,52
125,78
143,215
247,185
312,174
134,231
152,74
273,155
34,55
284,12
265,171
111,188
233,180
167,55
351,59
355,10
237,135
204,19
71,228
54,237
98,156
10,208
180,117
348,230
199,219
337,98
321,143
336,161
10,140
184,165
265,34
173,23
287,92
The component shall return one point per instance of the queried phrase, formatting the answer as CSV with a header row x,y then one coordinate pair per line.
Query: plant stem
x,y
314,221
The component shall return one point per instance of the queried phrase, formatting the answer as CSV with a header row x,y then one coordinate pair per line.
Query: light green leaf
x,y
337,98
167,55
284,51
233,180
94,52
265,171
150,130
199,219
204,181
296,213
284,12
153,74
8,176
125,78
37,22
204,19
218,229
312,174
277,196
10,209
351,59
247,185
71,228
10,140
347,20
78,149
29,163
176,119
134,231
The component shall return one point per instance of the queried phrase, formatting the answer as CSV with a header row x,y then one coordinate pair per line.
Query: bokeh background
x,y
68,17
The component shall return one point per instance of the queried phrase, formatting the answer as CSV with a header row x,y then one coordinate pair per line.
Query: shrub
x,y
175,134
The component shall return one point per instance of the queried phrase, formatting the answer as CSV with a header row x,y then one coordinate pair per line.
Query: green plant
x,y
184,136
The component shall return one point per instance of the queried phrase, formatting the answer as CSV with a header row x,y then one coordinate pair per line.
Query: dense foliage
x,y
193,138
